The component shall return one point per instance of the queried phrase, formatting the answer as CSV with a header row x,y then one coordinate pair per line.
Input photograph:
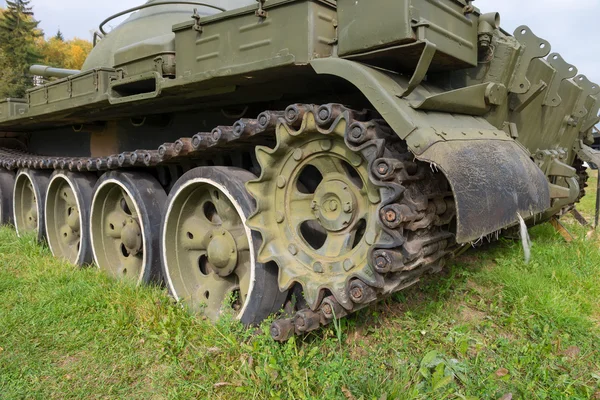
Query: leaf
x,y
429,361
501,372
445,381
348,394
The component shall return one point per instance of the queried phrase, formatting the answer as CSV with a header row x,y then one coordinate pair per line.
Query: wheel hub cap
x,y
131,235
222,253
335,204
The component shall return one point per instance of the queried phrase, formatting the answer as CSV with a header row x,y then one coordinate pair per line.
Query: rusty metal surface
x,y
492,181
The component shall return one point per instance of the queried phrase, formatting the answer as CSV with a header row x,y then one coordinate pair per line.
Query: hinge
x,y
196,17
261,13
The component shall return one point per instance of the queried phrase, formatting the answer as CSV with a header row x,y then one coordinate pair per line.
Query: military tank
x,y
310,156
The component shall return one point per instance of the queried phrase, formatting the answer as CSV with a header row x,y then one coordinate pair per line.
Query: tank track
x,y
415,215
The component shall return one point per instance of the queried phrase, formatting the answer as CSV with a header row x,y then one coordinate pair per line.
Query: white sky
x,y
571,26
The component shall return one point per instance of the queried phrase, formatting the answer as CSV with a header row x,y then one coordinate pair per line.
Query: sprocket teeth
x,y
263,156
368,276
313,293
339,291
285,278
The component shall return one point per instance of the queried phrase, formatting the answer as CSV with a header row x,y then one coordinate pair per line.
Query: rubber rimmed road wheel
x,y
7,187
125,221
209,252
68,203
28,202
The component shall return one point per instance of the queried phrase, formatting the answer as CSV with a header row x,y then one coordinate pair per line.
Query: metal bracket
x,y
589,124
579,218
518,104
470,100
534,47
422,67
564,70
560,228
261,13
589,89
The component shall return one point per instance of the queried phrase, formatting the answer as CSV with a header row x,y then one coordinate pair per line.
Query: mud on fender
x,y
492,181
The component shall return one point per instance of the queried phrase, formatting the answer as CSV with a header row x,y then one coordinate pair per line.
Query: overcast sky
x,y
571,26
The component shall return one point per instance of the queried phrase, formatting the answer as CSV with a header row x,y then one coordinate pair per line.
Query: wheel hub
x,y
73,219
222,253
334,204
131,235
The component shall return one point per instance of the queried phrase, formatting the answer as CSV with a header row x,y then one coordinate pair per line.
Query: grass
x,y
491,326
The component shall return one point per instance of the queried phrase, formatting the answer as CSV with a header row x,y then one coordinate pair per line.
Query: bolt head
x,y
383,168
333,205
390,216
347,208
323,114
281,182
348,264
280,217
293,249
381,262
298,154
356,293
326,145
356,132
318,267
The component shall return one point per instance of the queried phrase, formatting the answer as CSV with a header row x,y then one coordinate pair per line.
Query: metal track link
x,y
415,215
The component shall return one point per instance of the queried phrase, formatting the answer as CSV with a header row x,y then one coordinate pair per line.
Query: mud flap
x,y
492,181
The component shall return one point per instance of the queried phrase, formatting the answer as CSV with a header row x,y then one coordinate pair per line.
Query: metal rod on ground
x,y
597,201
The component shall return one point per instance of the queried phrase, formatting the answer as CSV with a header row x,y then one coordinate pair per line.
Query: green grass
x,y
489,326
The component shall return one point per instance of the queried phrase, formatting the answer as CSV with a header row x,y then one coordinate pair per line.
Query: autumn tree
x,y
18,33
59,53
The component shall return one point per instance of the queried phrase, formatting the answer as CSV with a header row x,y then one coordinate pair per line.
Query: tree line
x,y
23,43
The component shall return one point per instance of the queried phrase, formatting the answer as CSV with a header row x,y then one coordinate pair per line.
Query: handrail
x,y
148,5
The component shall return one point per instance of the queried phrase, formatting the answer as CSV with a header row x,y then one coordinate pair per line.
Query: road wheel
x,y
125,223
28,202
68,203
7,187
209,252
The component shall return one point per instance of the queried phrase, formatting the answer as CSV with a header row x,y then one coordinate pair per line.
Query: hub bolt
x,y
281,182
347,208
298,154
293,249
280,217
333,205
318,267
348,264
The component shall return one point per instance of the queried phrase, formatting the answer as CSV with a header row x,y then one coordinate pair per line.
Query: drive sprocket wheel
x,y
316,210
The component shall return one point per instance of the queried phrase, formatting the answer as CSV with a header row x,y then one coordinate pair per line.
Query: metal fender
x,y
492,182
380,88
493,178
